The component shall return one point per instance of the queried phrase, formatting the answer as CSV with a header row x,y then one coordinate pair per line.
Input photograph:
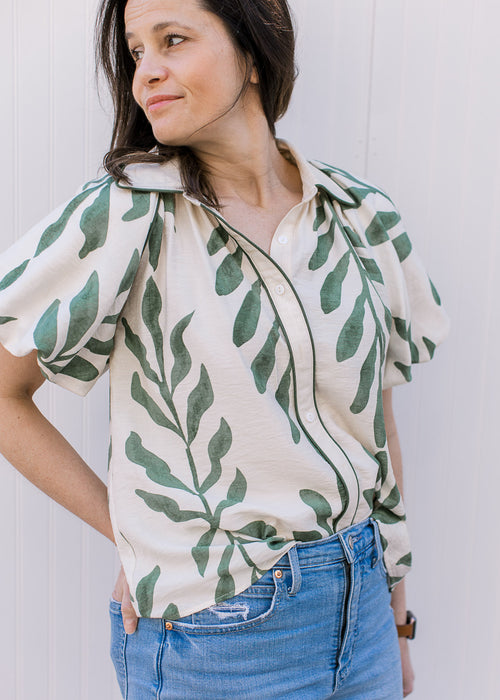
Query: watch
x,y
409,629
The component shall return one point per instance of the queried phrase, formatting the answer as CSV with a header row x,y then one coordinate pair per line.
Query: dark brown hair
x,y
262,32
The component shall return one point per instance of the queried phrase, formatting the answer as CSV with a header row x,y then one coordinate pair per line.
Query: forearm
x,y
36,449
398,600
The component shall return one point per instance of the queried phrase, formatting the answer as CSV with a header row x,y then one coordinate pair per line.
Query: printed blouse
x,y
245,387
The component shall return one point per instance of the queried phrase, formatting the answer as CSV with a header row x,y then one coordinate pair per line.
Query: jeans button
x,y
278,573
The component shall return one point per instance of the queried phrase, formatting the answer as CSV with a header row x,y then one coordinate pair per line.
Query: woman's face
x,y
188,73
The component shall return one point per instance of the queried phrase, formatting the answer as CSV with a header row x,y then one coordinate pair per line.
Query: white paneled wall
x,y
403,92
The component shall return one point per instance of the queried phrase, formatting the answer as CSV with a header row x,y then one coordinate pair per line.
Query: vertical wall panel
x,y
402,92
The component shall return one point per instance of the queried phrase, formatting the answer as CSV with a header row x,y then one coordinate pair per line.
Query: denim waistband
x,y
347,545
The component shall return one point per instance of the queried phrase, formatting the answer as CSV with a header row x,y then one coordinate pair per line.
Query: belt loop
x,y
378,541
348,550
295,568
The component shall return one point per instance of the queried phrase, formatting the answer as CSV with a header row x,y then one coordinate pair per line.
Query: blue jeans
x,y
318,625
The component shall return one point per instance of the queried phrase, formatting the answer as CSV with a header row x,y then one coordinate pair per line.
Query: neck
x,y
246,165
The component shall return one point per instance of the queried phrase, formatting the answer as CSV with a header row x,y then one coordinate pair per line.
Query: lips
x,y
157,101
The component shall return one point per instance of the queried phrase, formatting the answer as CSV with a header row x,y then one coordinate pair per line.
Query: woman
x,y
254,311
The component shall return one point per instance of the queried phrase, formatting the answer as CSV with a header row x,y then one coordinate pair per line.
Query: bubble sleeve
x,y
64,283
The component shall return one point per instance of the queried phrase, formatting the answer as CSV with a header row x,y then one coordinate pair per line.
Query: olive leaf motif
x,y
45,333
145,590
141,202
55,230
323,247
320,506
13,275
83,312
94,223
182,358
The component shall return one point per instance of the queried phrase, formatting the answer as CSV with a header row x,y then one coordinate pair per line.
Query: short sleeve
x,y
418,322
63,284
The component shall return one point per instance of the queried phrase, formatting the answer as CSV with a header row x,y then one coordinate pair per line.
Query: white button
x,y
279,289
283,239
310,417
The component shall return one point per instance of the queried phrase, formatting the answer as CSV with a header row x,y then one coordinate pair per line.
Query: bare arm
x,y
398,600
36,449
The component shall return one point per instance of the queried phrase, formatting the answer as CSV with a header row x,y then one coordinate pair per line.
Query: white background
x,y
405,93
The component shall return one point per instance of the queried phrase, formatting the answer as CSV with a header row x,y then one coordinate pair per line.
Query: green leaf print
x,y
218,239
259,530
151,308
171,612
130,273
376,233
388,318
248,316
388,517
140,395
94,223
320,506
163,504
54,231
156,469
79,368
100,347
383,462
402,244
366,377
83,312
145,590
404,369
306,535
392,499
431,347
354,237
45,333
368,495
235,494
182,358
136,346
344,499
323,248
155,237
218,447
225,587
435,294
352,332
199,401
282,396
331,290
263,364
320,213
372,269
229,275
378,421
13,275
140,206
401,329
201,551
7,319
404,560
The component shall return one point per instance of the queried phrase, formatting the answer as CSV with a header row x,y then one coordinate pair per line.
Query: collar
x,y
165,177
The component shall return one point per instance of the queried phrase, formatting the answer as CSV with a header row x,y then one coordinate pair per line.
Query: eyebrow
x,y
161,26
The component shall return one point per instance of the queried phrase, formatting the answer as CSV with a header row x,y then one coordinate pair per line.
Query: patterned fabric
x,y
246,388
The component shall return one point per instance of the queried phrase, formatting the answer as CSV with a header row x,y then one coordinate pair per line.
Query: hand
x,y
407,668
121,594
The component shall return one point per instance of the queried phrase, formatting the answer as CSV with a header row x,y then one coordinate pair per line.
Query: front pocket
x,y
118,644
251,607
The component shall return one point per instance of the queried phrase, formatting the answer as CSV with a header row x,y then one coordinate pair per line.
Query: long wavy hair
x,y
262,32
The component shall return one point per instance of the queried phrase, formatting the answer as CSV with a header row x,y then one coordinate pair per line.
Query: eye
x,y
174,39
136,54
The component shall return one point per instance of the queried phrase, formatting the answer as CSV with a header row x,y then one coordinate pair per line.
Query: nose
x,y
151,69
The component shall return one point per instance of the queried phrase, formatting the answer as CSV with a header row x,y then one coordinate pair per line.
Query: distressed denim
x,y
318,625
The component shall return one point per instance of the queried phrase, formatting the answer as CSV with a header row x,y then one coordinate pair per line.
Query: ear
x,y
254,76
